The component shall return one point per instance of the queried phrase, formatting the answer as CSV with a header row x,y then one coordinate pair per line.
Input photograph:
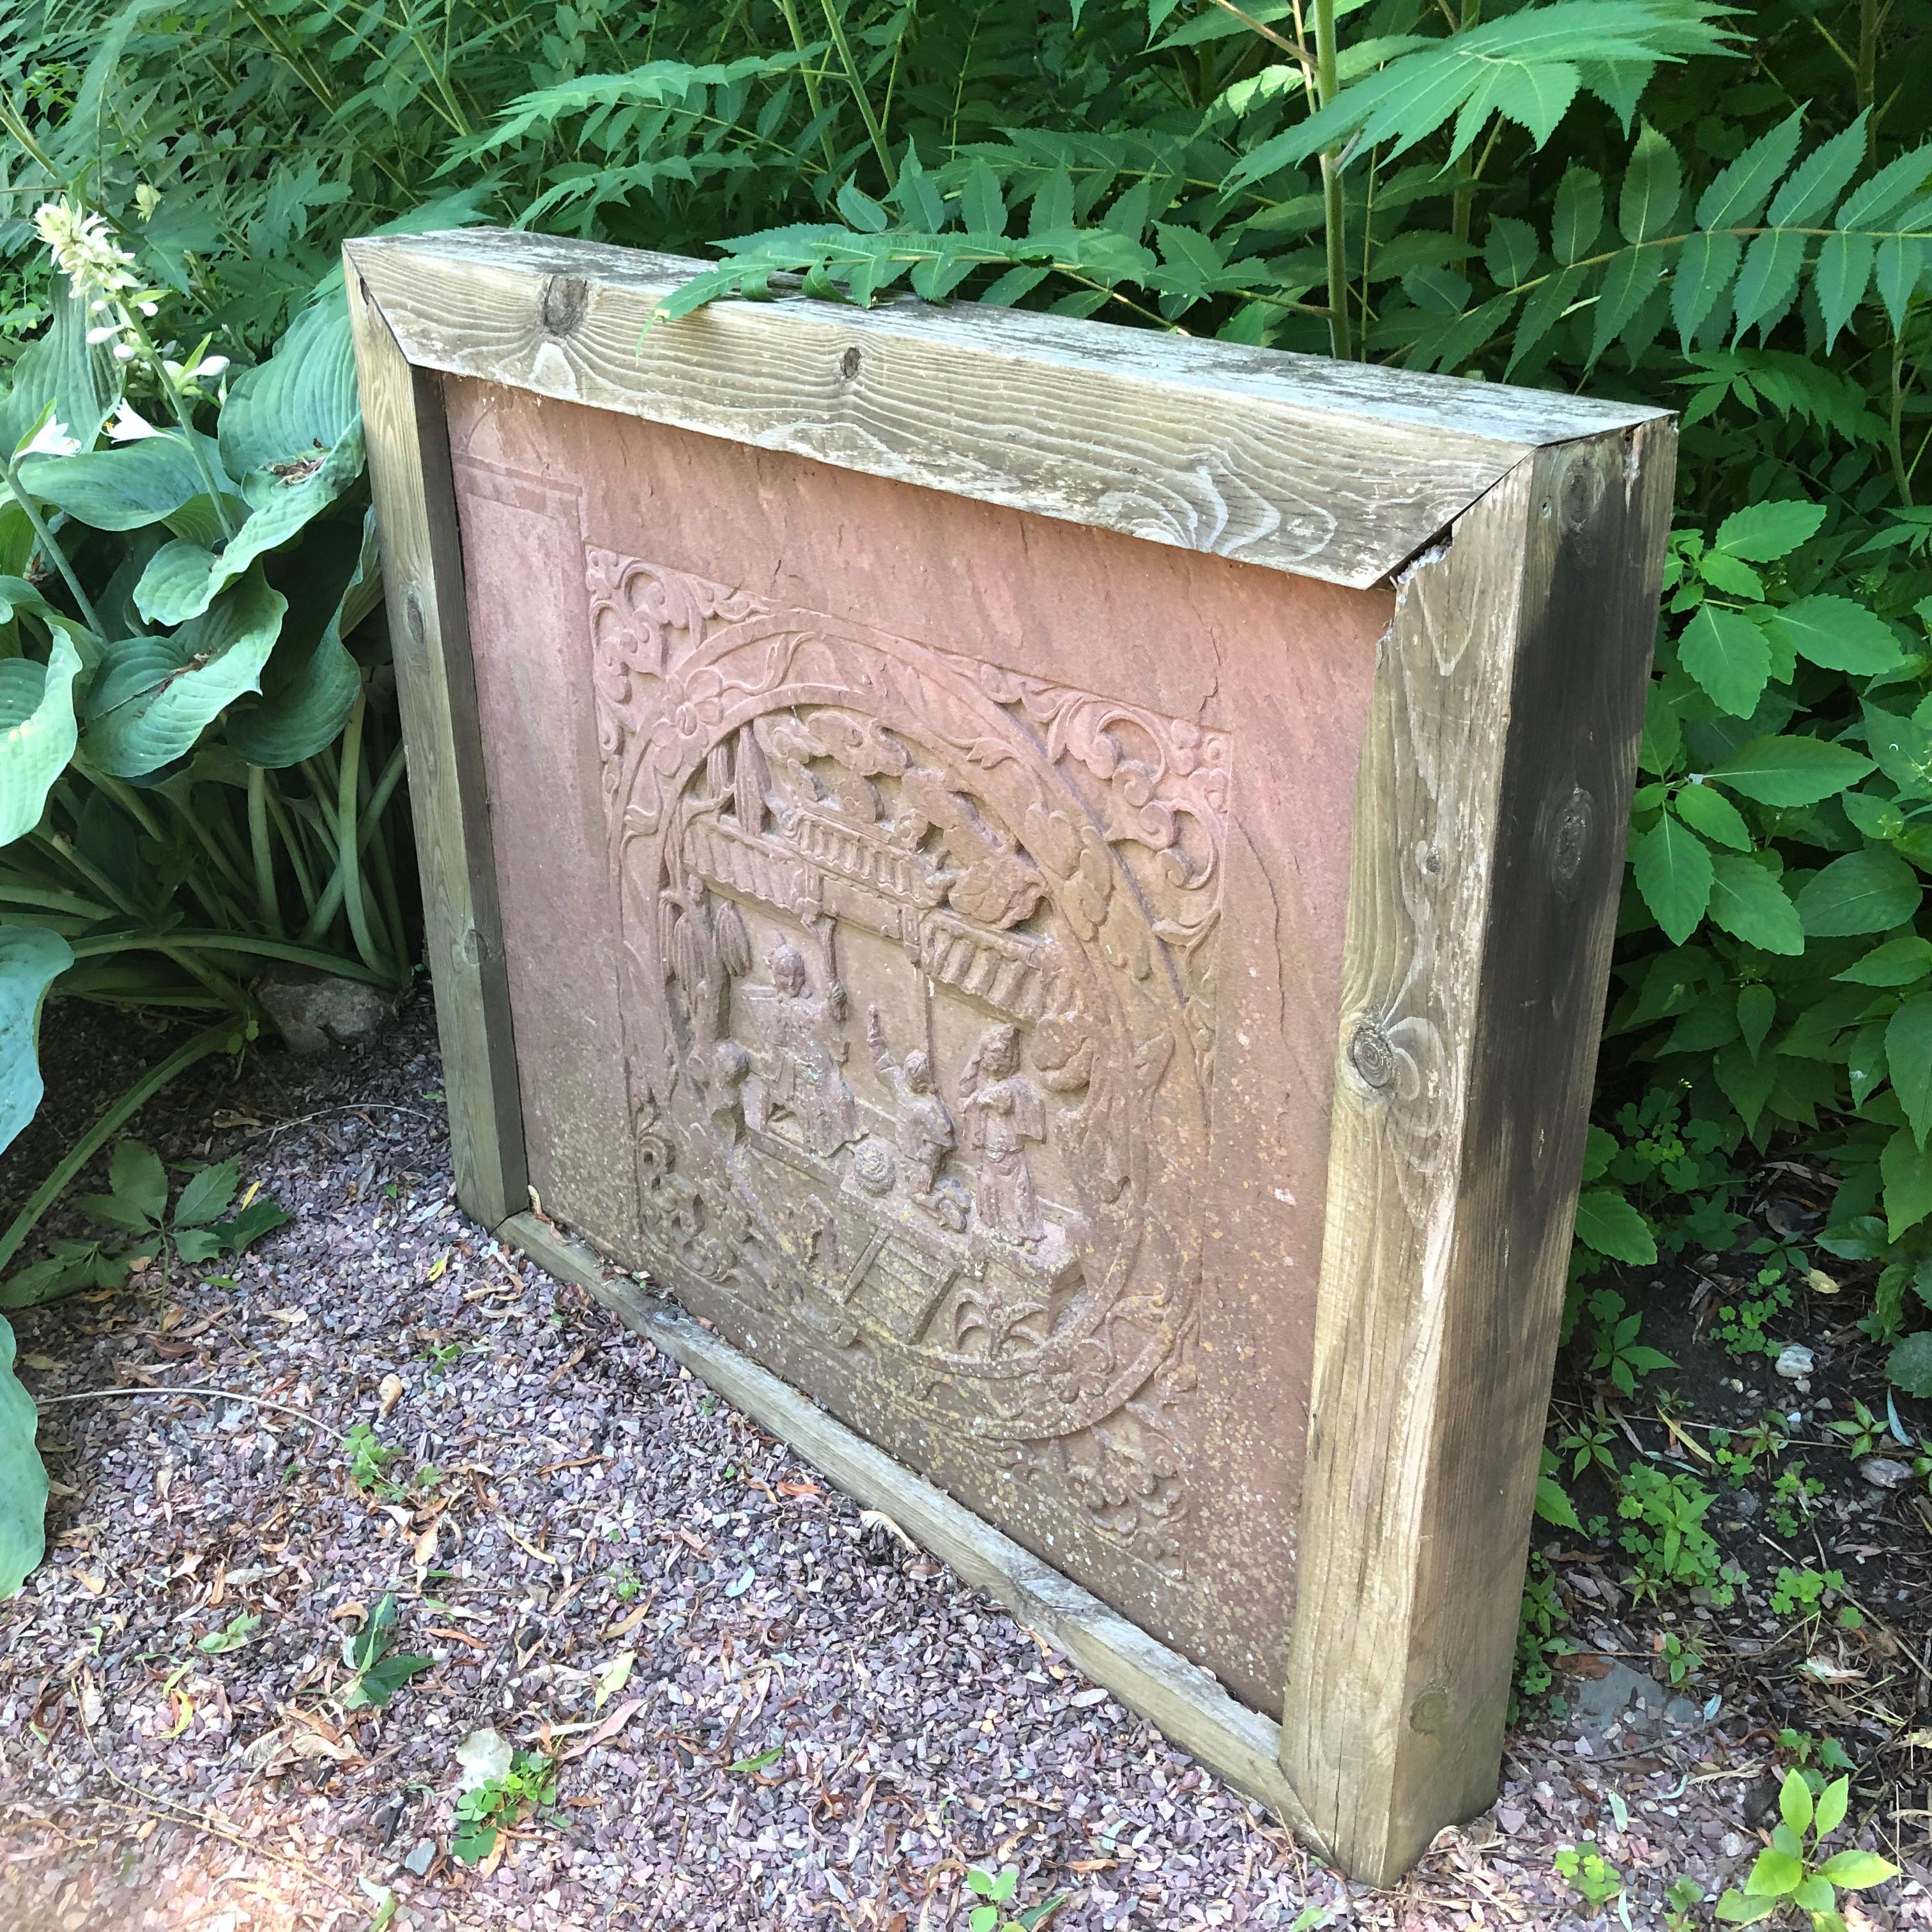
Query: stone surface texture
x,y
924,925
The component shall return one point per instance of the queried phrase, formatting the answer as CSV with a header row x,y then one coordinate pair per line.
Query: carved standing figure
x,y
1004,1110
925,1132
808,1050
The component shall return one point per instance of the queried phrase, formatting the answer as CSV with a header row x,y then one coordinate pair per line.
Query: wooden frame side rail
x,y
1524,531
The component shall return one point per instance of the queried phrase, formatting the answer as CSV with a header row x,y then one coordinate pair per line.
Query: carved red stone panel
x,y
924,922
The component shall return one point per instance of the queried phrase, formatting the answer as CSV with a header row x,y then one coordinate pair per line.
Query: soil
x,y
763,1708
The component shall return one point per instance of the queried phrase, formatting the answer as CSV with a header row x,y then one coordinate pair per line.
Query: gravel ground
x,y
819,1725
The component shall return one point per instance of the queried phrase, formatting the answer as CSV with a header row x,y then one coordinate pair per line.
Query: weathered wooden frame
x,y
1524,531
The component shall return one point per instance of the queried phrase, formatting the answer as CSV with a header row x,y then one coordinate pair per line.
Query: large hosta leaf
x,y
153,697
37,733
299,403
125,487
309,688
23,1477
30,960
183,578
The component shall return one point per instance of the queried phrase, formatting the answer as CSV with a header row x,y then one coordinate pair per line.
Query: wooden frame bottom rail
x,y
1238,1744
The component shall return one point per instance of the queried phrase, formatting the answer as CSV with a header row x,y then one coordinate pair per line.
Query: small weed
x,y
485,1809
196,1229
1803,1590
1590,1445
1615,1351
1785,1872
369,1460
627,1584
1813,1756
1681,1658
1537,1631
233,1636
378,1673
1862,1434
440,1354
1681,1897
1791,1496
1738,1456
995,1894
1666,1534
1742,1322
1590,1875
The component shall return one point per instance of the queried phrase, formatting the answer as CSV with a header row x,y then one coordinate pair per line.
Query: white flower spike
x,y
84,249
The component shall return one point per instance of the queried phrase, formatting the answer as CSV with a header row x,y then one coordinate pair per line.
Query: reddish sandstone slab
x,y
924,924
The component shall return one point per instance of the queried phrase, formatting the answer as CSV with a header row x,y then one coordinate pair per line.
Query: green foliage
x,y
23,1477
995,1894
1615,1351
1797,1591
1539,1631
484,1810
1664,1518
369,1460
198,1227
1790,1874
1589,1875
377,1671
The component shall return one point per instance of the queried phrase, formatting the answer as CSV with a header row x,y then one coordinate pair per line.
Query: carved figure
x,y
807,1052
1004,1110
925,1131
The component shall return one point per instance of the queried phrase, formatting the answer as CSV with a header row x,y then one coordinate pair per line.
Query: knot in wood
x,y
1569,818
414,618
848,364
1429,1713
1372,1056
566,297
476,947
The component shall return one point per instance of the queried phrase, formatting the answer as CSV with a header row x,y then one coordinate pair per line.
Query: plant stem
x,y
1870,19
348,845
211,1039
789,10
106,945
1900,474
871,120
1465,180
266,901
44,541
324,909
1331,185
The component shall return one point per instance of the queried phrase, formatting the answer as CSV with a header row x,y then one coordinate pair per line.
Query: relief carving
x,y
918,961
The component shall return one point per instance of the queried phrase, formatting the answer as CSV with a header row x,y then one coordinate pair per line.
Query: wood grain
x,y
422,578
1330,469
1235,1743
1494,791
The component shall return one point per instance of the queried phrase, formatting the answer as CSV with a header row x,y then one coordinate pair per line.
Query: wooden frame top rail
x,y
1337,470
